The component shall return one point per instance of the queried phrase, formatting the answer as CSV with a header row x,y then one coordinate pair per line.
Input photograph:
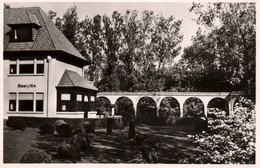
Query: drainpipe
x,y
49,59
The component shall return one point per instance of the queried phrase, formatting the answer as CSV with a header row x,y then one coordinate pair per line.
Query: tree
x,y
230,44
52,14
69,24
91,41
128,52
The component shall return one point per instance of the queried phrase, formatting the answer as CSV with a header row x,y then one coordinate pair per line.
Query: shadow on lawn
x,y
117,148
106,148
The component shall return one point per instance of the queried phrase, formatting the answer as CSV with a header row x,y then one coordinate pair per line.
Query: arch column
x,y
205,104
231,105
181,101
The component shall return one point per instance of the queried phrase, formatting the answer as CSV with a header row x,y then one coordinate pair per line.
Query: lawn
x,y
107,148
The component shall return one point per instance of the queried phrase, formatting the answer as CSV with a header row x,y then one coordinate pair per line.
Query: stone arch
x,y
103,105
146,110
193,107
124,107
169,107
234,101
217,106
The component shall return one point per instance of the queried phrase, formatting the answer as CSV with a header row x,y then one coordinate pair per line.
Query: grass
x,y
107,148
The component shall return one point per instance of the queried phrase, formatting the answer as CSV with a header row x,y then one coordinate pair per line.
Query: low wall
x,y
37,121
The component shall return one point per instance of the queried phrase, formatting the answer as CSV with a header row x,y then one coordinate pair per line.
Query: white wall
x,y
57,69
11,85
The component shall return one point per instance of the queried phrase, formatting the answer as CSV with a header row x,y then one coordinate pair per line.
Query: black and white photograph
x,y
114,82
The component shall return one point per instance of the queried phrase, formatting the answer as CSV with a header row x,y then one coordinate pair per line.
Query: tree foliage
x,y
128,51
224,56
134,51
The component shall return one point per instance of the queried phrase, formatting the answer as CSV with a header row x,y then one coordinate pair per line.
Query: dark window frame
x,y
13,66
21,34
25,69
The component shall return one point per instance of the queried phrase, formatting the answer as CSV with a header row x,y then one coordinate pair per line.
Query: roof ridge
x,y
66,71
47,28
22,7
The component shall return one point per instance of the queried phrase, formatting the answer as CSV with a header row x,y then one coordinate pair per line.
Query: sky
x,y
179,10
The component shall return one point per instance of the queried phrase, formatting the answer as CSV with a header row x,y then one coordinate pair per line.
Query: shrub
x,y
146,150
71,147
18,124
77,130
88,127
68,151
46,128
214,113
229,140
64,130
58,123
80,141
184,121
200,124
35,156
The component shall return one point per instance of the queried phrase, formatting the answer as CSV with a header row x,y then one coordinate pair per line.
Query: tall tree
x,y
228,47
69,24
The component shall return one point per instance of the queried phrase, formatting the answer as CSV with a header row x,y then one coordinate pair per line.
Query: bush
x,y
58,123
77,130
68,151
46,128
229,140
214,113
71,147
88,127
35,156
200,124
184,121
146,150
64,130
18,124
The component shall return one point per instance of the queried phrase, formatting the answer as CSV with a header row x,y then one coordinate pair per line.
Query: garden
x,y
221,140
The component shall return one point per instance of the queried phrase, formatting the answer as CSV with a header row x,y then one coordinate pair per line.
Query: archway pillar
x,y
231,106
205,101
181,101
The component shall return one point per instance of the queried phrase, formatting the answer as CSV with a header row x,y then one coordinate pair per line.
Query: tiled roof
x,y
47,38
73,79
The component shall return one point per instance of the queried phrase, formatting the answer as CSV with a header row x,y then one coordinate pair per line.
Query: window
x,y
39,101
85,98
92,104
40,68
13,69
79,103
21,34
79,97
65,102
26,69
12,101
25,101
65,96
29,102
